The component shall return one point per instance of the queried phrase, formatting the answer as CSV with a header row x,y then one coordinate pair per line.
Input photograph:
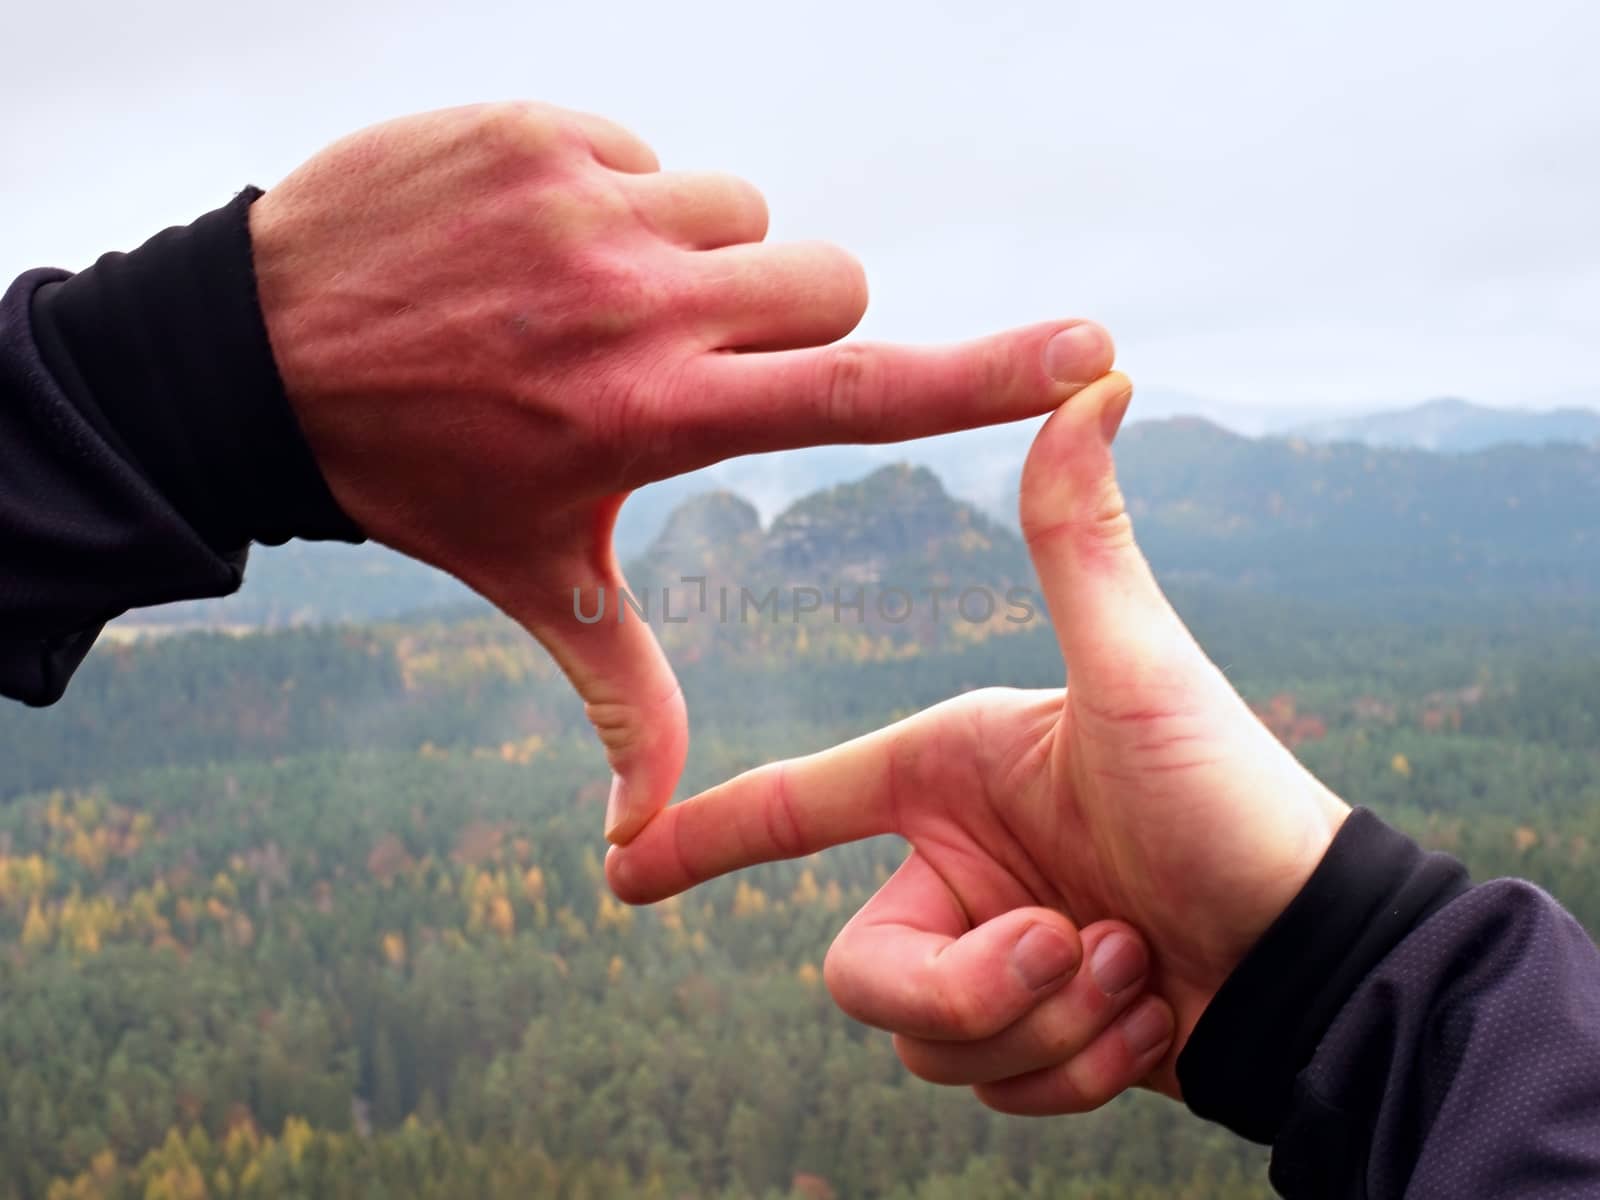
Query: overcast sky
x,y
1272,205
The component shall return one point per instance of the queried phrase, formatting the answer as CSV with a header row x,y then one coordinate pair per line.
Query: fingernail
x,y
1077,354
1111,415
616,806
1117,963
1044,956
1146,1027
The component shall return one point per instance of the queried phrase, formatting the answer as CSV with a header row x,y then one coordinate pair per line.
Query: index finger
x,y
782,810
876,392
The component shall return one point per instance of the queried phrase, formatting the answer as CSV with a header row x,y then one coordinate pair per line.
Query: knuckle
x,y
1109,513
783,828
1080,1090
588,220
614,298
854,977
1059,1037
994,369
926,1066
637,413
840,974
959,1011
1108,530
1099,521
619,726
519,128
985,369
852,387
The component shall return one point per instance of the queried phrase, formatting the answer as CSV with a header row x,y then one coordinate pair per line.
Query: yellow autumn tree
x,y
36,928
748,900
533,885
833,896
806,890
612,914
394,948
297,1138
502,917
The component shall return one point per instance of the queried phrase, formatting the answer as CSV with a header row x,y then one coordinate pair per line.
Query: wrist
x,y
1370,889
169,343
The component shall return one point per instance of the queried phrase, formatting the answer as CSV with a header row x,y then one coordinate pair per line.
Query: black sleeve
x,y
145,442
1397,1033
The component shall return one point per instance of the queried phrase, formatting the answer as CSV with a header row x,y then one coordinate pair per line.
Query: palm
x,y
1016,798
1012,799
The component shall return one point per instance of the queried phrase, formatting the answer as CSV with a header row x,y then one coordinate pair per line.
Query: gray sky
x,y
1272,205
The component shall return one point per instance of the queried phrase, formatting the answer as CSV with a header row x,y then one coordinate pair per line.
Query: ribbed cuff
x,y
1373,886
169,345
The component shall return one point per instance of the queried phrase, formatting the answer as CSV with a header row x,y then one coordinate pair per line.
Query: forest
x,y
318,912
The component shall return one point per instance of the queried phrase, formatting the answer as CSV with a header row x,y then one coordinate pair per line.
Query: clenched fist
x,y
494,322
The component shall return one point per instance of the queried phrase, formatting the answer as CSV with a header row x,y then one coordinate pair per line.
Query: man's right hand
x,y
495,322
1147,792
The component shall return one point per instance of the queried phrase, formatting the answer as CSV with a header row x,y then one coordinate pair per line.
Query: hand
x,y
494,322
1146,791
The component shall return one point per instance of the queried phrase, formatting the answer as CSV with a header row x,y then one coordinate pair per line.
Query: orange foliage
x,y
1291,727
502,918
394,949
478,844
533,885
388,859
811,1187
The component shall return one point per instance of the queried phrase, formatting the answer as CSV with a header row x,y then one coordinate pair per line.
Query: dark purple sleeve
x,y
1452,1051
145,442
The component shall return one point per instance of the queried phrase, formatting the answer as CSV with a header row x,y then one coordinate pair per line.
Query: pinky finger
x,y
1118,1059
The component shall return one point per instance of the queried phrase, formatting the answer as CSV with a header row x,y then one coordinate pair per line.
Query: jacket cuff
x,y
169,347
1373,886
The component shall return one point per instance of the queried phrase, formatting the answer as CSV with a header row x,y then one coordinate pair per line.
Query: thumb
x,y
606,648
1114,625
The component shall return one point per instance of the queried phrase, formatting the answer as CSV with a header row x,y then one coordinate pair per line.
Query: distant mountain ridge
x,y
1363,525
1362,528
984,465
888,556
1450,425
1293,513
897,523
